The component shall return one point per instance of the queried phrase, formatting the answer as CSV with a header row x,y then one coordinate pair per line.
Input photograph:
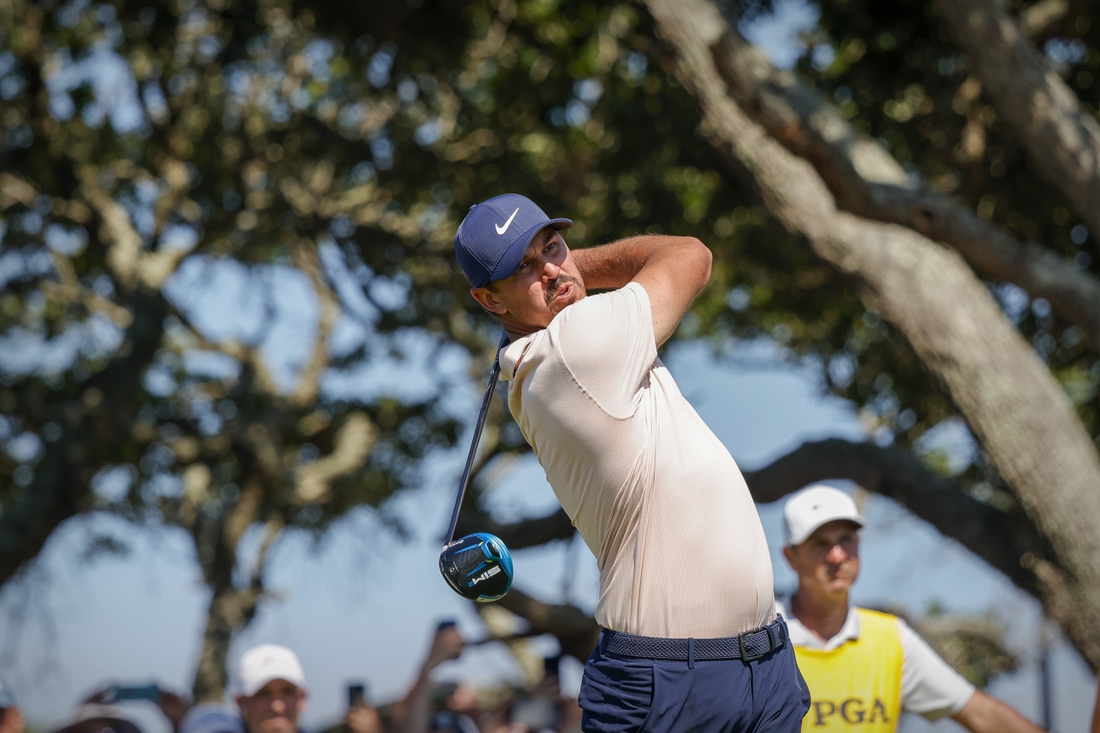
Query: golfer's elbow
x,y
697,260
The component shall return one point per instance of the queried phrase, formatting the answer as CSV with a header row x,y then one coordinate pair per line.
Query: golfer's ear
x,y
788,552
488,300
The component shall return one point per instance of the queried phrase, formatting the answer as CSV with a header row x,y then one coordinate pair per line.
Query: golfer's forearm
x,y
613,265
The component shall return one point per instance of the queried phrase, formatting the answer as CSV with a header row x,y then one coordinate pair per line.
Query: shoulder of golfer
x,y
929,685
672,270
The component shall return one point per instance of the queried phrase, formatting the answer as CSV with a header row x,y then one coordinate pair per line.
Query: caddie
x,y
691,640
864,668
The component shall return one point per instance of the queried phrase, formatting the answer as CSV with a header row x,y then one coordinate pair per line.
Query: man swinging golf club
x,y
691,640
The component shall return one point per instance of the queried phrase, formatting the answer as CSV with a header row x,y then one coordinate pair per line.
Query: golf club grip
x,y
477,439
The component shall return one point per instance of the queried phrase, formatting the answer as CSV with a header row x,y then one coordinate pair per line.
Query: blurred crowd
x,y
271,691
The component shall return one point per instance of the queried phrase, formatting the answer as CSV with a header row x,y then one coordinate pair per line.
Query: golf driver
x,y
477,566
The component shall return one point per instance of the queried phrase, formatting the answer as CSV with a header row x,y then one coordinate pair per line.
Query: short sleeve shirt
x,y
655,495
929,686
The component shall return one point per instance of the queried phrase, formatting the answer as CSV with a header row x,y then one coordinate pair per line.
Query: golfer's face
x,y
829,558
546,281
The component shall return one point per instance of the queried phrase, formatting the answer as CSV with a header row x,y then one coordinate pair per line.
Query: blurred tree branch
x,y
574,628
1062,137
974,647
866,180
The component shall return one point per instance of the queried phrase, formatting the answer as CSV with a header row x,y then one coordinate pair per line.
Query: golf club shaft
x,y
477,438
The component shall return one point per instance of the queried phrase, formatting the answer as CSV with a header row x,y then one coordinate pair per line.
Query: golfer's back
x,y
653,492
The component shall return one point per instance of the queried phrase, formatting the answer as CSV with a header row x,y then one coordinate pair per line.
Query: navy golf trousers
x,y
629,695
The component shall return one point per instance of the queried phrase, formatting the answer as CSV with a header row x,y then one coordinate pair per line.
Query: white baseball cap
x,y
114,718
814,506
266,662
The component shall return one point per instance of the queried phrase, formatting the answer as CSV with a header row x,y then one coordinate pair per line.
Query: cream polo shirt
x,y
929,685
652,491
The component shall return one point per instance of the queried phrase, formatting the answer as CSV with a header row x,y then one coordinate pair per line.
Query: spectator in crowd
x,y
273,690
414,713
543,709
211,717
99,718
455,707
363,718
864,668
11,718
175,708
361,715
172,705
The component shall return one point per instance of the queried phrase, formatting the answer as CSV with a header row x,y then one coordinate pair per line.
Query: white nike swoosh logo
x,y
502,229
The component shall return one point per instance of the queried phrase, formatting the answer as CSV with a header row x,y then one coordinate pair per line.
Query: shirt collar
x,y
513,352
801,636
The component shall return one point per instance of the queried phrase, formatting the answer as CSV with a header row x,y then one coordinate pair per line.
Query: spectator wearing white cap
x,y
272,689
11,718
864,668
93,717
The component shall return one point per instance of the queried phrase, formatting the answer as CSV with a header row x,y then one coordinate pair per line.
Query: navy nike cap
x,y
493,238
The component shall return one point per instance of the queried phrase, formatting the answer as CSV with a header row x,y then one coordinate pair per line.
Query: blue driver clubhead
x,y
478,566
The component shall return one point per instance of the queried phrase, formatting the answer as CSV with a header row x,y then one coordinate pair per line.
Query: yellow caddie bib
x,y
856,687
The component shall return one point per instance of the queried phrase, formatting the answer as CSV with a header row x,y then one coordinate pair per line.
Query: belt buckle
x,y
745,656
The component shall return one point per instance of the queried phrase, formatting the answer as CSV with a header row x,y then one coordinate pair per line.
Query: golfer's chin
x,y
536,319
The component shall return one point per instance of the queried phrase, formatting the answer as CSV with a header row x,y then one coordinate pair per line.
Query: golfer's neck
x,y
823,614
516,329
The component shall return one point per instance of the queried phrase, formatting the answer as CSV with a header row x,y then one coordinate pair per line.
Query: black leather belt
x,y
747,647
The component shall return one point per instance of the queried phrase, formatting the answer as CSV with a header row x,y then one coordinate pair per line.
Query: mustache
x,y
554,286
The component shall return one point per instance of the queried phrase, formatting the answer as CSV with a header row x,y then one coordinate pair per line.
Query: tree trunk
x,y
231,607
1017,410
229,612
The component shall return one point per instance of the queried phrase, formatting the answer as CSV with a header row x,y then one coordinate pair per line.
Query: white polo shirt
x,y
652,491
929,685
